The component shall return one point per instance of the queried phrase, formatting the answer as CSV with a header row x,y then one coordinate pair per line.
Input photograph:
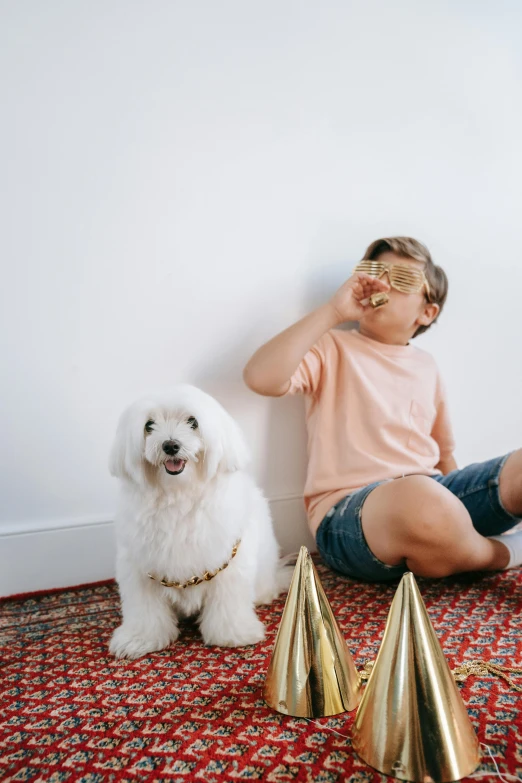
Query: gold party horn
x,y
311,673
412,723
379,299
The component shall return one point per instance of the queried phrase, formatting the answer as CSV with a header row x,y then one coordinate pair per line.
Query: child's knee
x,y
414,516
429,514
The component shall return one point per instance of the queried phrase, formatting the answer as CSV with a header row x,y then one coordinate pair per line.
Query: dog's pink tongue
x,y
173,464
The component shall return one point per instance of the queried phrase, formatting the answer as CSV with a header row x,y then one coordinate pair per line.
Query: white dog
x,y
188,511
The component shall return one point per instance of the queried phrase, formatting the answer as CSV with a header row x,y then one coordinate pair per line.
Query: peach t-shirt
x,y
374,411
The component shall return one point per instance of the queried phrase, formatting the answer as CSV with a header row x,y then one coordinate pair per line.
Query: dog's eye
x,y
149,426
193,422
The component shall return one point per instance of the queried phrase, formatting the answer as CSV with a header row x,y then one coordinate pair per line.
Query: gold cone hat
x,y
412,723
312,673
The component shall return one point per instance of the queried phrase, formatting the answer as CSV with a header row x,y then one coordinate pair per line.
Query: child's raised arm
x,y
269,370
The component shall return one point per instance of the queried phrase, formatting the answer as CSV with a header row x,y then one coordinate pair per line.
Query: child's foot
x,y
513,542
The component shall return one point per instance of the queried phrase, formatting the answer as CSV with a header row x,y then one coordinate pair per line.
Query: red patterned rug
x,y
69,712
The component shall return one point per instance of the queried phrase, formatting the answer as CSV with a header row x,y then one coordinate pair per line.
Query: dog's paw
x,y
266,597
250,632
133,643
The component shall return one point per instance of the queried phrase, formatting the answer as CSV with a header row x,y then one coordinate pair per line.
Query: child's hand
x,y
352,300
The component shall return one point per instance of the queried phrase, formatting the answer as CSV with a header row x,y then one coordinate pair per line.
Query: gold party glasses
x,y
405,278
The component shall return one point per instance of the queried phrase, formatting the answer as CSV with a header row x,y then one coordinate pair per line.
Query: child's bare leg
x,y
418,521
510,484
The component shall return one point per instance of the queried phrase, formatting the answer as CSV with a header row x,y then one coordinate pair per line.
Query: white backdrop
x,y
182,180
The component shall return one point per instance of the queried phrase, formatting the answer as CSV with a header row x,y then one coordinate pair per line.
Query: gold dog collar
x,y
197,580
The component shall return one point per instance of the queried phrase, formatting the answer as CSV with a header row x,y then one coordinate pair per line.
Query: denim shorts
x,y
340,538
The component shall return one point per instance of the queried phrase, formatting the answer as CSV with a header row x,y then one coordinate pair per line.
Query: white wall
x,y
181,180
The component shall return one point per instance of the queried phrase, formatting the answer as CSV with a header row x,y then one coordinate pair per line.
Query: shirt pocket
x,y
422,419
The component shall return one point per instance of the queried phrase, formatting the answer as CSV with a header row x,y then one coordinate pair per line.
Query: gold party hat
x,y
412,723
312,673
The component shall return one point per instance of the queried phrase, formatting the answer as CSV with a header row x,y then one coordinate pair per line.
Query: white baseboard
x,y
62,554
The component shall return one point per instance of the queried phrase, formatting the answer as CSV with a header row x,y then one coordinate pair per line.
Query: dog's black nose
x,y
171,447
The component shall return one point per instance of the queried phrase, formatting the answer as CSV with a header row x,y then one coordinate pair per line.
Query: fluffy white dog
x,y
185,504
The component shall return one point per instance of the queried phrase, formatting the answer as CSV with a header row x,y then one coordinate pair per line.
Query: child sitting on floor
x,y
383,491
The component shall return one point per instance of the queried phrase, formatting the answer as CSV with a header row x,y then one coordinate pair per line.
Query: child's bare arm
x,y
269,370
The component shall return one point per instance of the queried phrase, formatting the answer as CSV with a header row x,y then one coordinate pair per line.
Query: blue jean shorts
x,y
340,538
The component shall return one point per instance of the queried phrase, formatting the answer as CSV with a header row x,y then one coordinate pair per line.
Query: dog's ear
x,y
126,457
225,447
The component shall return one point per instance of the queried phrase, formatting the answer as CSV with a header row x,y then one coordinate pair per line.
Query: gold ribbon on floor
x,y
486,668
476,668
